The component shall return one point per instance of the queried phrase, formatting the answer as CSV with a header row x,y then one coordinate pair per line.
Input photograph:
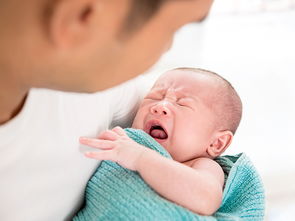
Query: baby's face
x,y
176,112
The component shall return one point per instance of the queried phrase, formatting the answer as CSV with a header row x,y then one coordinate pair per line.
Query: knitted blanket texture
x,y
116,193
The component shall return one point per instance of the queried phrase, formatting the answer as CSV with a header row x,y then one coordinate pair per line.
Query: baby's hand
x,y
116,146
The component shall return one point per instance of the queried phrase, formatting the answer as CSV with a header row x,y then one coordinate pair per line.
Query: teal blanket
x,y
116,193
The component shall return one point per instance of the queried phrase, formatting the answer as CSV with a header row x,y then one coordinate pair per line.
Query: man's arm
x,y
198,188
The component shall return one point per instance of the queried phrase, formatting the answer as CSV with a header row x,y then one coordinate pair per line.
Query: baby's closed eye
x,y
155,96
184,102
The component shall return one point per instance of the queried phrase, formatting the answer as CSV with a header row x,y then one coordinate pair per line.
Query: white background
x,y
253,46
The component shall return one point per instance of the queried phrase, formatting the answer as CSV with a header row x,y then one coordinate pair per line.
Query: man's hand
x,y
116,146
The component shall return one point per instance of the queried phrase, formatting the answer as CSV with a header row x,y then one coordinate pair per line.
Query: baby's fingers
x,y
119,130
101,155
108,135
97,143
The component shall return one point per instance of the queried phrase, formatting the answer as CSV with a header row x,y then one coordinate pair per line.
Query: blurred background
x,y
252,44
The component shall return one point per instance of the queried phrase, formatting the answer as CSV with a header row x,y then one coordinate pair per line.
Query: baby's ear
x,y
221,141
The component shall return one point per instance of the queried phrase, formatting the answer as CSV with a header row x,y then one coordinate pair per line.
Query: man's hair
x,y
227,103
139,13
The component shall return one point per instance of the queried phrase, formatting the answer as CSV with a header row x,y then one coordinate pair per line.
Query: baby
x,y
193,114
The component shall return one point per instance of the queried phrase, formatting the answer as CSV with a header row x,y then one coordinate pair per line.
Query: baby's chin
x,y
163,143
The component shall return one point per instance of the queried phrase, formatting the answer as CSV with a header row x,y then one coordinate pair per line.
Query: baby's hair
x,y
229,111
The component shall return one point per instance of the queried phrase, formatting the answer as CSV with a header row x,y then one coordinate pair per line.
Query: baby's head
x,y
191,113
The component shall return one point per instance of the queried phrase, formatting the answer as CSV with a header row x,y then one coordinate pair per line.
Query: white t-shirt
x,y
42,171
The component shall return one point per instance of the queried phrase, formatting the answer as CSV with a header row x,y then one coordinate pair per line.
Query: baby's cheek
x,y
138,121
182,133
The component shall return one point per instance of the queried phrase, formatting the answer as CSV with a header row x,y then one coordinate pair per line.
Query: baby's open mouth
x,y
158,132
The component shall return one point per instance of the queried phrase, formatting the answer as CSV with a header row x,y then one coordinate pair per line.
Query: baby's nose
x,y
160,109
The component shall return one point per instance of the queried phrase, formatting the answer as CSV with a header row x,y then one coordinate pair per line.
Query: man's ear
x,y
70,21
221,141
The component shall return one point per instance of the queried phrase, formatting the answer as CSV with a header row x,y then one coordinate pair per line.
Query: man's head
x,y
88,45
191,112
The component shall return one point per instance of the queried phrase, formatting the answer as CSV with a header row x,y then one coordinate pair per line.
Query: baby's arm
x,y
198,188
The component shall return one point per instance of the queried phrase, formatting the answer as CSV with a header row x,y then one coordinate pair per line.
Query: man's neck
x,y
12,98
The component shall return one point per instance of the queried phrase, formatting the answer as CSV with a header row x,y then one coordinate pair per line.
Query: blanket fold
x,y
116,193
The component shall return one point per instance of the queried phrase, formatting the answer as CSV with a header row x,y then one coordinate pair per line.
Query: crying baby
x,y
192,113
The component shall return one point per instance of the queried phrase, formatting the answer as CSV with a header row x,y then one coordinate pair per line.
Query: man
x,y
77,46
